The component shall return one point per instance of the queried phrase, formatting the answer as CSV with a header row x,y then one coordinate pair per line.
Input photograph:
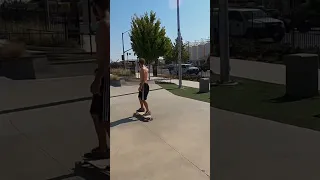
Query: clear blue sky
x,y
194,20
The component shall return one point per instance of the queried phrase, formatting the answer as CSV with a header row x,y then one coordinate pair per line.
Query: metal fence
x,y
256,35
35,27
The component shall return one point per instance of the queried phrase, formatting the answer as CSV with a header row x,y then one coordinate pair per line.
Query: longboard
x,y
140,116
102,165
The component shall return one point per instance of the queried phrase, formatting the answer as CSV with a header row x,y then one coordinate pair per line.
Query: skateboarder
x,y
100,88
143,88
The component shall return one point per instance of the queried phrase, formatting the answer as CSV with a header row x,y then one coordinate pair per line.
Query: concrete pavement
x,y
175,145
43,133
251,148
44,142
267,72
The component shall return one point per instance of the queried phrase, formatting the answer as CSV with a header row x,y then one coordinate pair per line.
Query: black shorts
x,y
143,95
100,104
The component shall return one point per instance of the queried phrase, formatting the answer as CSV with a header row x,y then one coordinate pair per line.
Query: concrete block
x,y
204,85
302,75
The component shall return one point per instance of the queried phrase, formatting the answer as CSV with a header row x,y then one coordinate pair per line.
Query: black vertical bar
x,y
90,29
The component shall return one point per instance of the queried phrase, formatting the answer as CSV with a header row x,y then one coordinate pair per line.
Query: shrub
x,y
121,72
114,77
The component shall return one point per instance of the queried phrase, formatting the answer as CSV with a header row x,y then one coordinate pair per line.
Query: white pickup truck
x,y
187,69
252,23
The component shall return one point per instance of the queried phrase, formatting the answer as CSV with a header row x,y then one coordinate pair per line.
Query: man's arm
x,y
141,78
102,51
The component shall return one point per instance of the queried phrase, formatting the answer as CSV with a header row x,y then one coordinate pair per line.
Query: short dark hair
x,y
104,5
142,61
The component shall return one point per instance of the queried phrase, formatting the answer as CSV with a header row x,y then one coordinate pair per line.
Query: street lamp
x,y
123,51
179,45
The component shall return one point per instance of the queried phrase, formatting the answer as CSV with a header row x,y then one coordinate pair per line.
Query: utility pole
x,y
224,42
179,45
123,51
47,14
123,58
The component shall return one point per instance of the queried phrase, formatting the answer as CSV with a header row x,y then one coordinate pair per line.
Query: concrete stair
x,y
64,55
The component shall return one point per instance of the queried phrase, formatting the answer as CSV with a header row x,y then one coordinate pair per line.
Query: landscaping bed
x,y
265,100
187,92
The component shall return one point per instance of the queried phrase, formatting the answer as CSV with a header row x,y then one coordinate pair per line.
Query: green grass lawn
x,y
259,99
186,92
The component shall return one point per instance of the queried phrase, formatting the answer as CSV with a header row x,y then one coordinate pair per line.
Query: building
x,y
199,52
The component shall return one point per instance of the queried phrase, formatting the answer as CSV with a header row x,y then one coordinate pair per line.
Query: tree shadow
x,y
287,99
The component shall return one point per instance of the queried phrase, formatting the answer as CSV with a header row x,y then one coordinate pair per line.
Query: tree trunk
x,y
155,68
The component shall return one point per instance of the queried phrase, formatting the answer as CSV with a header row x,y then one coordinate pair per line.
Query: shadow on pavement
x,y
45,105
122,121
83,173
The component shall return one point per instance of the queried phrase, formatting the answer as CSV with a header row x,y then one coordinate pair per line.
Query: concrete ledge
x,y
25,67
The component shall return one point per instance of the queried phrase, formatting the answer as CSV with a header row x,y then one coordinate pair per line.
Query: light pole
x,y
179,45
123,51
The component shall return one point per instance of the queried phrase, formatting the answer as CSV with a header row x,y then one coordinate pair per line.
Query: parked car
x,y
187,69
253,23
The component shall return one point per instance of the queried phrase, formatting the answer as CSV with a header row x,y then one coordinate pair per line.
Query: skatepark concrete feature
x,y
175,145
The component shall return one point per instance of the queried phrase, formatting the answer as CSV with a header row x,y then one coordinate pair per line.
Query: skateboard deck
x,y
140,115
100,165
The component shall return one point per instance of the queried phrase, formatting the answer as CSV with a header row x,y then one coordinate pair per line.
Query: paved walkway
x,y
273,73
175,145
250,148
41,140
267,72
186,83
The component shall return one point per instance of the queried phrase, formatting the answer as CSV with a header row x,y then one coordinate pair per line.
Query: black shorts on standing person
x,y
97,101
143,94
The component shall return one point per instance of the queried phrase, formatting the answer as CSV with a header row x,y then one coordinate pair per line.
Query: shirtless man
x,y
143,88
100,88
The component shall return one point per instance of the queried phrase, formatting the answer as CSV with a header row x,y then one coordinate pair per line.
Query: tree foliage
x,y
148,38
172,55
308,11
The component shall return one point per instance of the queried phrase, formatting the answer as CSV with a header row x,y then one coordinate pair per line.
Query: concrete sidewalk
x,y
267,72
251,148
44,142
186,83
175,145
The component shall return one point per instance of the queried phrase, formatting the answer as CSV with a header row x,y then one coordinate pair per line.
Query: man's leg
x,y
101,133
141,102
144,98
146,105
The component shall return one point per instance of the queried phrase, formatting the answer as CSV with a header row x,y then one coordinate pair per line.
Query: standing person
x,y
100,87
143,88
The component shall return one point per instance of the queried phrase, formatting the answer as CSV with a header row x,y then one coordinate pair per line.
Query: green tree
x,y
310,10
172,55
148,38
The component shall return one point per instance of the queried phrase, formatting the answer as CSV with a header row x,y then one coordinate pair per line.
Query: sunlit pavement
x,y
175,145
